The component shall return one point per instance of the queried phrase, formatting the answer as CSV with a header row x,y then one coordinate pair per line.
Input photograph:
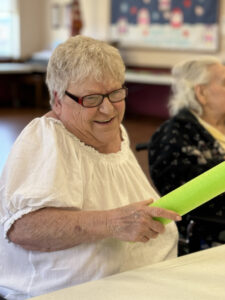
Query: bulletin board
x,y
170,24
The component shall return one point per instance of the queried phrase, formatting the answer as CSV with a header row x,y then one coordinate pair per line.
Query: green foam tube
x,y
194,193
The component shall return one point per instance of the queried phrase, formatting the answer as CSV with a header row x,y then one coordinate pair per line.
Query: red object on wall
x,y
76,20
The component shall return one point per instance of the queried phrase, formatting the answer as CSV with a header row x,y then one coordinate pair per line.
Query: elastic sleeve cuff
x,y
9,222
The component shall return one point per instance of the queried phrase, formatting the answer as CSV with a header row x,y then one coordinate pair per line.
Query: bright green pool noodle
x,y
194,193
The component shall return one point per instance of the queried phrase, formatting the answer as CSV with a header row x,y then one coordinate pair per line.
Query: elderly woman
x,y
73,196
193,139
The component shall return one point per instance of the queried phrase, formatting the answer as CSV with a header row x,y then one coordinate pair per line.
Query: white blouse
x,y
48,166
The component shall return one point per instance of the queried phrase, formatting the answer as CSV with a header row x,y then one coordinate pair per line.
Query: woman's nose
x,y
106,106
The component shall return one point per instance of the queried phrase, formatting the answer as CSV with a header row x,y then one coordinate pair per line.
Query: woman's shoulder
x,y
42,133
182,123
182,118
39,127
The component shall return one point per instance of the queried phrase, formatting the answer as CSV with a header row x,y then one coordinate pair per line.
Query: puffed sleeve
x,y
42,170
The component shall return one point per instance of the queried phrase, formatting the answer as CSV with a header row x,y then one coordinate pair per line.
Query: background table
x,y
17,78
196,276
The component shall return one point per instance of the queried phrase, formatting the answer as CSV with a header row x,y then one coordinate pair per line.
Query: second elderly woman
x,y
193,140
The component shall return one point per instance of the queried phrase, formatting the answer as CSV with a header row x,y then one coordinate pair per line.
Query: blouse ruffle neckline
x,y
120,155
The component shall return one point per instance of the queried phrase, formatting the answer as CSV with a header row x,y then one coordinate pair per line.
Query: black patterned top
x,y
180,150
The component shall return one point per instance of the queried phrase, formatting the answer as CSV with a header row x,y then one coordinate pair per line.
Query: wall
x,y
38,34
95,17
32,26
53,36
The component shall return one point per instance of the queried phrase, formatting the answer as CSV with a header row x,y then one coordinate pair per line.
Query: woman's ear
x,y
57,106
200,94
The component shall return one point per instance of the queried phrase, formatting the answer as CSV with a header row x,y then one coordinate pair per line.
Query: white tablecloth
x,y
192,277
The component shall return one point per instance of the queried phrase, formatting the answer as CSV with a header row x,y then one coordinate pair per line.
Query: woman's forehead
x,y
90,86
217,73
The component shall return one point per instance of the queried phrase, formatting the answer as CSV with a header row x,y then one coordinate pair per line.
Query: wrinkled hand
x,y
135,222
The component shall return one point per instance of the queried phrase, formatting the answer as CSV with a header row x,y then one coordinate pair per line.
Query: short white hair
x,y
80,58
188,74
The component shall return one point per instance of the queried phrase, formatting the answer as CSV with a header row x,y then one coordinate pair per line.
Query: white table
x,y
148,77
21,68
130,76
135,76
197,276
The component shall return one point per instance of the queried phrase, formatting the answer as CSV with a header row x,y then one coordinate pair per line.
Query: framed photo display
x,y
169,24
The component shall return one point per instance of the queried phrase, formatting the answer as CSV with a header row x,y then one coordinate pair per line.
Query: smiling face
x,y
99,126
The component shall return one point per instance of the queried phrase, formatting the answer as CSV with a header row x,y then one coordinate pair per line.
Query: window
x,y
9,29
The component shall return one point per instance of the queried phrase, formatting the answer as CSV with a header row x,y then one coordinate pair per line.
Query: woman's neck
x,y
113,146
214,120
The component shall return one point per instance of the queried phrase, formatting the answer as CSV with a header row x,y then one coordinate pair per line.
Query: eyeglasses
x,y
94,100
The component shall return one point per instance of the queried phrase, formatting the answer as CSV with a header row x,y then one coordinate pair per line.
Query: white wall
x,y
53,36
95,17
32,26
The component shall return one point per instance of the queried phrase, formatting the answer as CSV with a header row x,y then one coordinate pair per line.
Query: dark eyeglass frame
x,y
80,100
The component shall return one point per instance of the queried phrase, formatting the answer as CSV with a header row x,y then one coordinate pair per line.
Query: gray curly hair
x,y
81,57
188,74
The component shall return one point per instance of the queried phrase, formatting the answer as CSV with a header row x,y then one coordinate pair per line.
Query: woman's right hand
x,y
135,222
